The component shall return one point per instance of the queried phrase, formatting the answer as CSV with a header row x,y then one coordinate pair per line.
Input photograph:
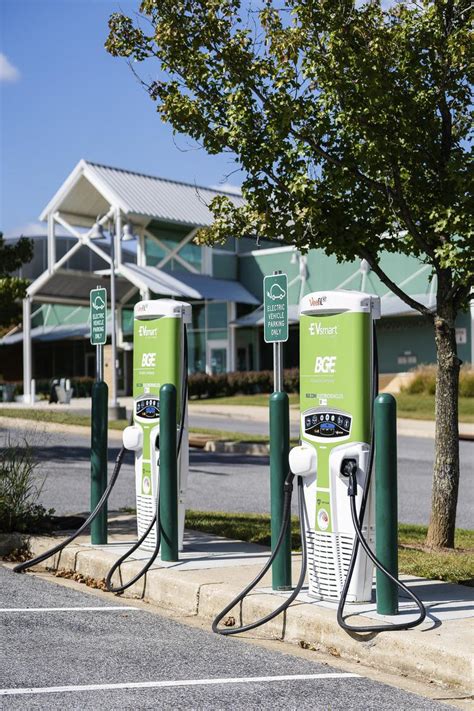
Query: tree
x,y
12,289
351,122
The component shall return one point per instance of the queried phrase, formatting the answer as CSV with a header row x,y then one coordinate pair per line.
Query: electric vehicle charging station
x,y
159,357
336,394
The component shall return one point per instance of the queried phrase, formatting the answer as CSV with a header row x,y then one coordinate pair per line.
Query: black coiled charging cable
x,y
286,514
357,521
60,546
156,518
352,492
21,567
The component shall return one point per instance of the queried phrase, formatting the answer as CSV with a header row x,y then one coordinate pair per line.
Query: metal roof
x,y
392,305
188,285
67,285
91,186
51,333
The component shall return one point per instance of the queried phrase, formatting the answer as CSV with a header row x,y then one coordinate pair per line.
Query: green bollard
x,y
386,501
279,448
168,479
100,398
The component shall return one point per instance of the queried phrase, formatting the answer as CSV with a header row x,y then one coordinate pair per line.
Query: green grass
x,y
69,418
418,407
65,418
230,436
260,400
422,407
455,566
415,407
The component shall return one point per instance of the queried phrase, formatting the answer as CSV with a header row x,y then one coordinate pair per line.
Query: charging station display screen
x,y
148,409
327,424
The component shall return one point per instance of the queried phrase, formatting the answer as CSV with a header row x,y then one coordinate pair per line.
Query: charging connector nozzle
x,y
349,469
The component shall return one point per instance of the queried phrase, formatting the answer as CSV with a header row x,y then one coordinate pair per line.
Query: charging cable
x,y
350,470
286,515
59,547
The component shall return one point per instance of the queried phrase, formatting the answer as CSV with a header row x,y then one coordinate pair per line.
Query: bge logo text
x,y
148,360
325,364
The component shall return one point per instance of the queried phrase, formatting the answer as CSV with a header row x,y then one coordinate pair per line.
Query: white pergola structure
x,y
112,197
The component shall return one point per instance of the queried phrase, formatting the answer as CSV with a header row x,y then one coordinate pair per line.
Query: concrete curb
x,y
427,654
255,448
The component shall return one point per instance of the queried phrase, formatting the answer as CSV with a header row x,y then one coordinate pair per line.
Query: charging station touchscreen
x,y
336,403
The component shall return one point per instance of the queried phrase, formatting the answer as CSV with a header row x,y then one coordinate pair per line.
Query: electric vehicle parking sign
x,y
275,308
98,306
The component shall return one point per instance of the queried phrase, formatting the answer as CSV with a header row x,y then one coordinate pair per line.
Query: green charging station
x,y
159,358
336,396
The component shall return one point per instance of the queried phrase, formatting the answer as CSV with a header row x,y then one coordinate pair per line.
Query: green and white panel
x,y
158,358
336,392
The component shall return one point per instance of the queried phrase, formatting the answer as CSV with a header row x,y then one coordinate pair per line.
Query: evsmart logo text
x,y
317,329
150,332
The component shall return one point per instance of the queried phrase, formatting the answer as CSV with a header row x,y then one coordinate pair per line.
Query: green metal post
x,y
168,474
279,447
100,398
386,501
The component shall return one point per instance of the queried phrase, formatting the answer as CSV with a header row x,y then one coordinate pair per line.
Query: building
x,y
223,283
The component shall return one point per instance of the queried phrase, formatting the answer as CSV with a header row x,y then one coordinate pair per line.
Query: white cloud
x,y
8,72
34,229
227,188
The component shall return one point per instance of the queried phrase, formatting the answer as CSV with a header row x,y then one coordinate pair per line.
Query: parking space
x,y
67,649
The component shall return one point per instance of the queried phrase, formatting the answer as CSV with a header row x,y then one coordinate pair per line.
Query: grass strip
x,y
422,407
415,407
454,566
70,418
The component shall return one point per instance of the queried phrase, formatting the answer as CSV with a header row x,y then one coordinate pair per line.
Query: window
x,y
209,323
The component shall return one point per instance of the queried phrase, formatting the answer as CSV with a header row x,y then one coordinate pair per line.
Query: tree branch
x,y
365,254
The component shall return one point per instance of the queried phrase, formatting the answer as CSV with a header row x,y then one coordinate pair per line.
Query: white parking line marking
x,y
67,609
179,682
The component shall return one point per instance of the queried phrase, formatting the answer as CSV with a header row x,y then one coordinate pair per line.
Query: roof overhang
x,y
74,287
187,285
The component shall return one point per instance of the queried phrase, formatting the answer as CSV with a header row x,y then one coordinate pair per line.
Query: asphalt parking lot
x,y
67,649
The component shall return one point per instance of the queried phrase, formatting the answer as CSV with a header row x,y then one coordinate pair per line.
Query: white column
x,y
51,243
113,325
27,350
118,239
206,260
141,255
119,326
231,314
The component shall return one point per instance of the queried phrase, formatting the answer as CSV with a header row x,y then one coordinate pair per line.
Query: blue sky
x,y
63,98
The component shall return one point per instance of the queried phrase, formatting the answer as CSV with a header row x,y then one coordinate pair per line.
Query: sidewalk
x,y
212,570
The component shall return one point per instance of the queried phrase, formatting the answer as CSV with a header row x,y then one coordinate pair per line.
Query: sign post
x,y
100,398
275,330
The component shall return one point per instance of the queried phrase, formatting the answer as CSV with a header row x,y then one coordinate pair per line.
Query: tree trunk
x,y
446,464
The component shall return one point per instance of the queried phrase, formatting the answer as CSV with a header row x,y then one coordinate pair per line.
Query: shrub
x,y
248,382
424,381
81,386
466,381
20,490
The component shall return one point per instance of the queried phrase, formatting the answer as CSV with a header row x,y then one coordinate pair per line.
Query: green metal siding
x,y
224,266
